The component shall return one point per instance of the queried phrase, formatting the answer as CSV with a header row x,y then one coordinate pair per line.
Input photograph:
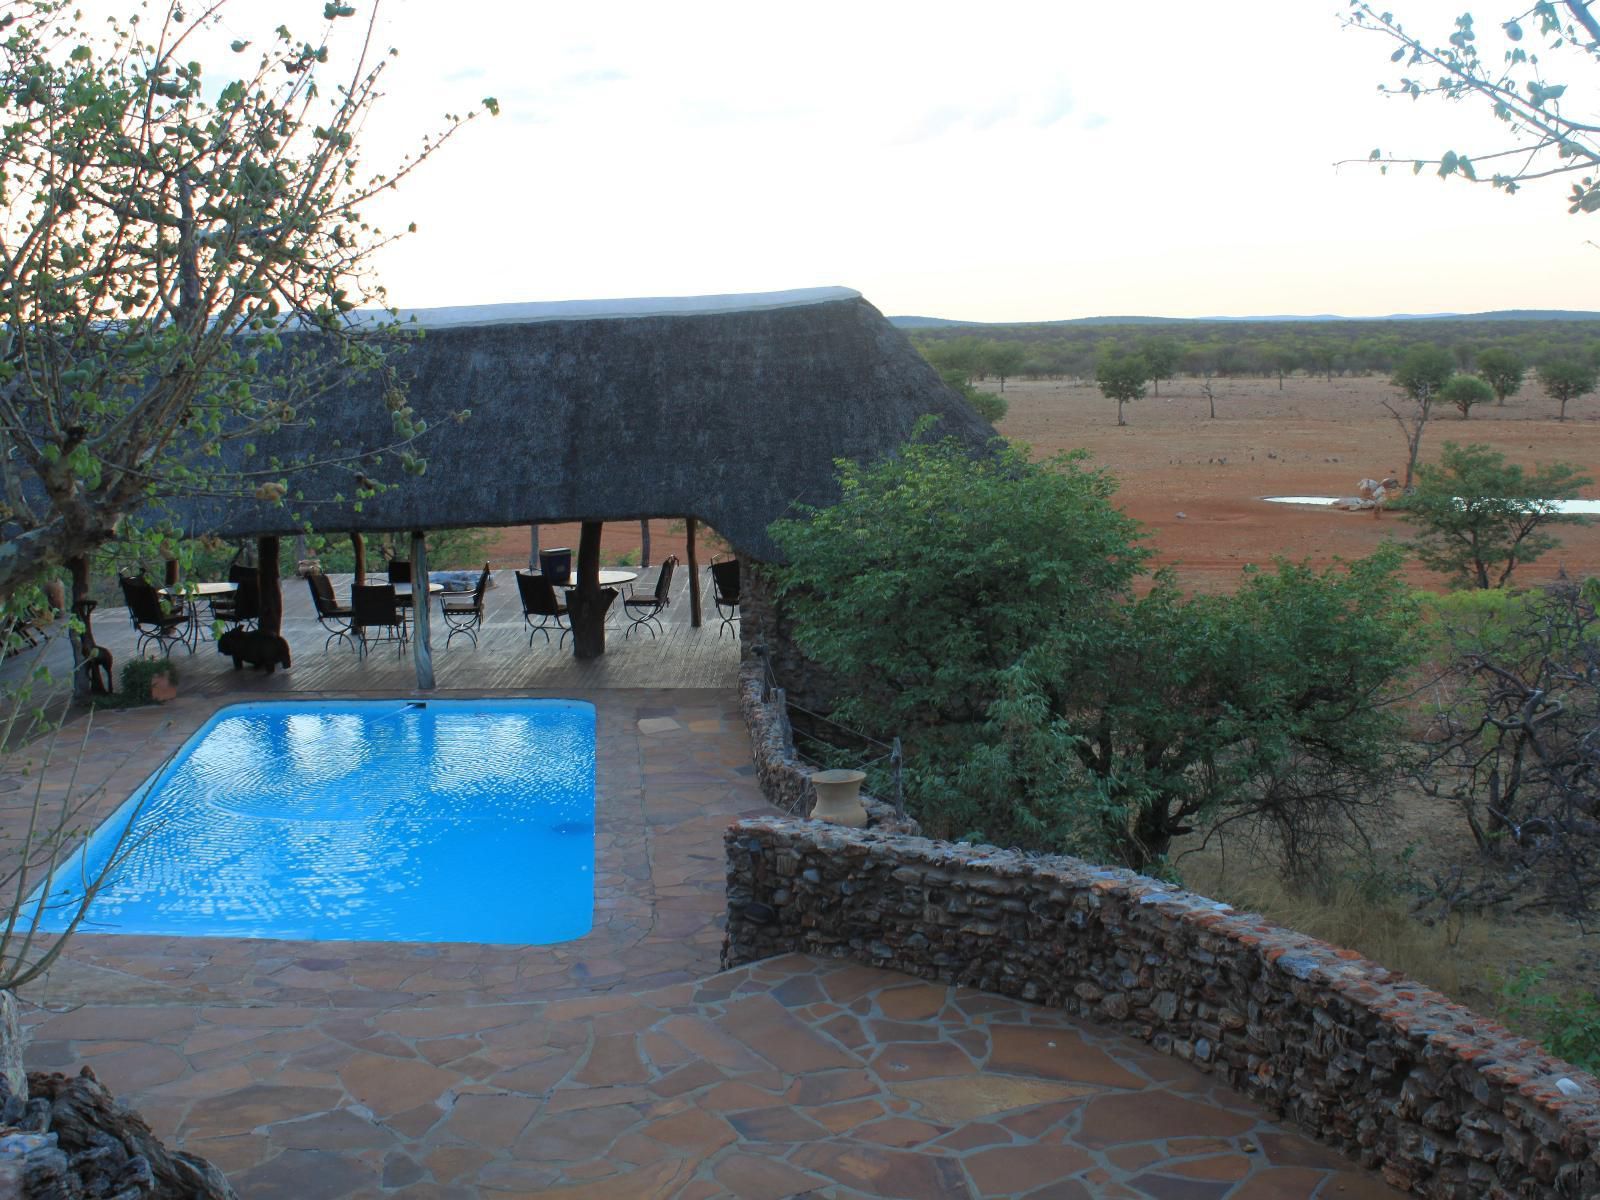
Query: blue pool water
x,y
386,820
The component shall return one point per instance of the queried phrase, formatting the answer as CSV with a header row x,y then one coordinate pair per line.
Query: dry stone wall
x,y
1445,1103
785,779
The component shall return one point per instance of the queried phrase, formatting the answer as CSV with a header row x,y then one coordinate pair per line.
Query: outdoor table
x,y
404,589
207,591
402,592
611,579
607,579
200,591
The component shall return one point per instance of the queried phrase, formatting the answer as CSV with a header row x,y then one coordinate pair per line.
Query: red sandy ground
x,y
1314,437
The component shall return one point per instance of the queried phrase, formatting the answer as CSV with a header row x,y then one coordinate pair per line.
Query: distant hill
x,y
1507,314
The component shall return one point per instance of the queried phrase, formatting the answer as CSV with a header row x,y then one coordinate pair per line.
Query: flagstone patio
x,y
624,1064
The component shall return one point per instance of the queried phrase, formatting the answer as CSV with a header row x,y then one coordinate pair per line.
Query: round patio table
x,y
402,591
607,579
207,591
615,578
203,591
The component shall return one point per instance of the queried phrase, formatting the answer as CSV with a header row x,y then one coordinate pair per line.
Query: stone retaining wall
x,y
1446,1103
785,779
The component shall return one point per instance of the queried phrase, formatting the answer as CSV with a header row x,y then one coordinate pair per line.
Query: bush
x,y
139,673
988,405
1565,1023
983,611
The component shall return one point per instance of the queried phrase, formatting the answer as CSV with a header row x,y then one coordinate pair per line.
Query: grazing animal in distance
x,y
267,651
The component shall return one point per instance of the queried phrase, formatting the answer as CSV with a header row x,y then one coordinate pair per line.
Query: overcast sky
x,y
1009,161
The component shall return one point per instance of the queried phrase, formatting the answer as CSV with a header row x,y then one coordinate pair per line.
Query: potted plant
x,y
150,680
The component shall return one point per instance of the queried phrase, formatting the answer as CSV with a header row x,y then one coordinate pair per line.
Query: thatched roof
x,y
731,409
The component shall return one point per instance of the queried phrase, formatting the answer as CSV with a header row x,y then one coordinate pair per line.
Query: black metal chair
x,y
646,610
400,572
242,606
154,622
539,600
725,592
374,607
336,618
464,614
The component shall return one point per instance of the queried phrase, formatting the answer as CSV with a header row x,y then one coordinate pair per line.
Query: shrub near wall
x,y
1445,1103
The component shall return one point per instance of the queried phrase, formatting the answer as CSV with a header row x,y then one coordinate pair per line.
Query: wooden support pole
x,y
421,648
267,571
587,603
172,573
689,524
360,548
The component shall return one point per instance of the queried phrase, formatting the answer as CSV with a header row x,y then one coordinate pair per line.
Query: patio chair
x,y
375,608
242,606
725,591
463,613
336,618
400,572
645,611
539,601
155,622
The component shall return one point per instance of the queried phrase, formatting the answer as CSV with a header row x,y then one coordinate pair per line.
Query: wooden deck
x,y
678,657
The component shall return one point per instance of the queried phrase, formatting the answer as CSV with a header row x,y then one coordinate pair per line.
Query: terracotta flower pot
x,y
162,689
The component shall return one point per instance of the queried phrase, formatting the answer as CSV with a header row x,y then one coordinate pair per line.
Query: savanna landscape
x,y
1196,482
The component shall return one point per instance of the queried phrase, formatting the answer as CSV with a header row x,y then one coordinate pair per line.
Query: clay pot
x,y
163,689
839,798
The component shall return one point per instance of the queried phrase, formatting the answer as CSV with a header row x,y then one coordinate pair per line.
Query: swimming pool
x,y
374,820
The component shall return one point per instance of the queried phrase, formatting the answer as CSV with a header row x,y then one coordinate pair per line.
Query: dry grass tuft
x,y
1458,957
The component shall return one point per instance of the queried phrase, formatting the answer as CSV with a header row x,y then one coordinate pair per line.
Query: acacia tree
x,y
1565,379
1503,369
1161,355
1420,375
1002,359
1122,378
1479,517
161,229
1465,391
1548,134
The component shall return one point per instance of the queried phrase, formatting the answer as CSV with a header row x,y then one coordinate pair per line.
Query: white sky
x,y
1016,160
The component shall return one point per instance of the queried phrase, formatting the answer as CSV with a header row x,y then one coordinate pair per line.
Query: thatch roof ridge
x,y
731,416
612,308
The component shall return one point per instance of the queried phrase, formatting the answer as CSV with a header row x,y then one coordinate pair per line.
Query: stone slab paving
x,y
622,1064
792,1077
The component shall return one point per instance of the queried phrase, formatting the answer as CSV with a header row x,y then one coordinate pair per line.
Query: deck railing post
x,y
897,760
782,703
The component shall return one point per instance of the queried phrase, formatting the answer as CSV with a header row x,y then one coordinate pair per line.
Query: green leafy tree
x,y
1420,375
1504,369
1479,517
1423,371
965,355
1464,391
1161,355
1285,360
1003,359
1565,379
161,230
1122,378
1043,704
1543,97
